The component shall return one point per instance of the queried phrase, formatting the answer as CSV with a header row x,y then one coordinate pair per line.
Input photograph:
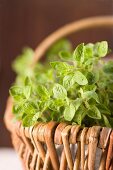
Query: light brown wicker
x,y
54,146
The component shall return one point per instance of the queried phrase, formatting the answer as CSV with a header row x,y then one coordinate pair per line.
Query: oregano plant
x,y
73,86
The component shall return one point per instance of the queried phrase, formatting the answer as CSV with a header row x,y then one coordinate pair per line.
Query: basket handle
x,y
103,21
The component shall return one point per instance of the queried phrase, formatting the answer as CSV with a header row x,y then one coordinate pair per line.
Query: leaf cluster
x,y
76,88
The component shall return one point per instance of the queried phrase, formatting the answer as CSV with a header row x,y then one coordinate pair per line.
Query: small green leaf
x,y
101,48
62,68
89,50
17,93
69,112
80,78
22,62
94,112
56,104
65,55
36,117
68,81
59,91
59,65
92,87
17,109
103,109
43,105
62,44
92,77
77,103
29,108
78,118
106,121
78,54
16,90
43,92
90,94
28,120
91,62
27,81
79,115
27,91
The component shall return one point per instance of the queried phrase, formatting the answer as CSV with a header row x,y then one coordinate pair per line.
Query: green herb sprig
x,y
76,87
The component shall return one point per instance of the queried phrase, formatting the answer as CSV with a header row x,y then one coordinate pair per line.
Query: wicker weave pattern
x,y
61,146
53,146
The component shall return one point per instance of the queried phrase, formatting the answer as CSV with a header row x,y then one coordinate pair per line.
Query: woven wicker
x,y
54,146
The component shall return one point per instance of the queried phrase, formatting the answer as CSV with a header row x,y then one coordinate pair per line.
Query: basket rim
x,y
40,126
105,21
53,133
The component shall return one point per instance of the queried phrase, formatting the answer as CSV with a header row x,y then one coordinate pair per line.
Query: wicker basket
x,y
53,146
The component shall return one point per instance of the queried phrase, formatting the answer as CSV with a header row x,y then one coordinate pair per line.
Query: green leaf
x,y
91,62
101,48
59,91
79,115
89,50
17,93
16,90
77,103
43,92
69,112
36,117
90,94
65,55
43,105
94,112
56,104
103,109
106,121
17,109
29,108
78,54
78,118
92,77
68,81
27,91
27,81
92,87
62,68
22,62
60,45
28,120
80,78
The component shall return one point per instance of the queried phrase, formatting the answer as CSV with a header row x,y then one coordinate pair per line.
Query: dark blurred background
x,y
28,22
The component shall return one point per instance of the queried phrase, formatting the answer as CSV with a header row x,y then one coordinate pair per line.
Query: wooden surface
x,y
28,22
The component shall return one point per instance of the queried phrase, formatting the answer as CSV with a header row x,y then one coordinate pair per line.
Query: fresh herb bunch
x,y
76,88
